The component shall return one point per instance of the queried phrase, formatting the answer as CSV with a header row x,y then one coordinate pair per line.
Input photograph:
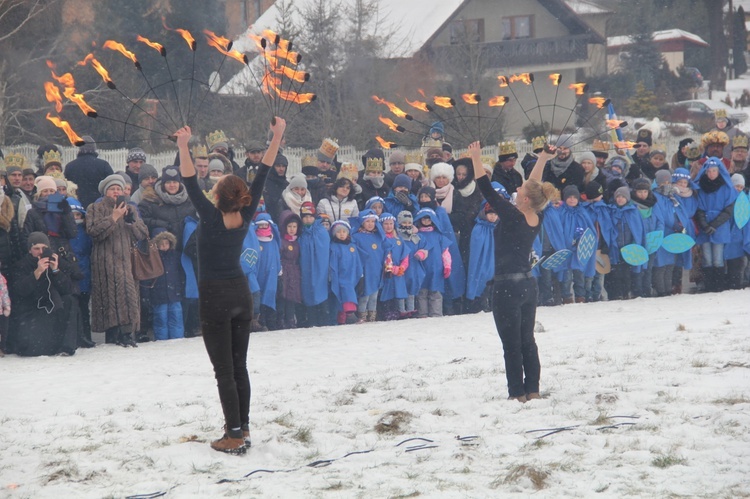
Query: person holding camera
x,y
114,225
41,295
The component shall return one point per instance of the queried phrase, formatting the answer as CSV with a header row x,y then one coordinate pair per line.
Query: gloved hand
x,y
129,217
446,272
404,199
64,206
421,255
397,270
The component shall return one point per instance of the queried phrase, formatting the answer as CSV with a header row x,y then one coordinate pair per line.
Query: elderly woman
x,y
114,225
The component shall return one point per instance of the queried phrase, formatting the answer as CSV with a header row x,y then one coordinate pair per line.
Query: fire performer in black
x,y
226,307
515,291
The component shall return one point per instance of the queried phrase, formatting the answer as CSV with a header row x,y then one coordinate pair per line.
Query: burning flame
x,y
422,106
50,64
99,69
502,81
65,126
119,47
391,124
526,78
222,45
579,88
277,40
282,49
185,34
157,46
471,98
78,100
65,80
556,78
53,95
599,101
625,144
445,102
497,101
384,143
397,111
295,97
421,92
615,124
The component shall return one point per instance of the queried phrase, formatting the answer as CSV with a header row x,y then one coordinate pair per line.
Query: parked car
x,y
700,113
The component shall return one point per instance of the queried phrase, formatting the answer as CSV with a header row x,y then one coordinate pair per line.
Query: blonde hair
x,y
540,194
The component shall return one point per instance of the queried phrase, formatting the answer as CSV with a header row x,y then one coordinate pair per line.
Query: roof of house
x,y
585,7
659,36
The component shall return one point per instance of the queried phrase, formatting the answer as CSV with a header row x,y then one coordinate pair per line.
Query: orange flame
x,y
50,64
502,81
221,44
614,124
99,69
185,34
526,78
556,78
599,101
497,101
391,124
65,126
397,111
119,47
77,99
295,97
445,102
272,36
384,143
421,92
579,88
65,80
625,144
53,95
422,106
471,98
156,46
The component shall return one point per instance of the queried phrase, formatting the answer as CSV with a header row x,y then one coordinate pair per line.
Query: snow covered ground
x,y
652,398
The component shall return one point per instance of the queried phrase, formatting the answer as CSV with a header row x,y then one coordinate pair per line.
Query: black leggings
x,y
226,310
514,309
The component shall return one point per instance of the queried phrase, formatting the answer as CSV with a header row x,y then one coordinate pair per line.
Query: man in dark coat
x,y
641,158
136,158
505,171
87,170
397,166
276,182
563,170
253,154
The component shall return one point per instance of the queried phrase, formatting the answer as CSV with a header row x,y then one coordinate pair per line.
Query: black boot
x,y
126,340
709,279
84,342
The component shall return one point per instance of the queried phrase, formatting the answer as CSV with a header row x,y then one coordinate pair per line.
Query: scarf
x,y
407,234
293,201
649,202
591,175
669,191
468,190
178,198
264,233
427,229
444,196
289,237
377,181
559,167
709,186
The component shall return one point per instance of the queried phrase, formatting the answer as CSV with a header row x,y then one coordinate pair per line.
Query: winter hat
x,y
46,148
405,216
45,182
618,161
61,182
170,173
310,171
89,147
413,166
367,214
386,216
571,190
147,171
738,179
442,170
76,205
254,146
645,136
215,165
663,177
374,200
37,238
587,156
641,184
340,225
307,208
298,180
430,191
136,154
447,147
12,169
322,157
126,178
437,127
680,173
397,157
593,190
623,191
434,153
685,142
402,180
281,160
657,151
109,181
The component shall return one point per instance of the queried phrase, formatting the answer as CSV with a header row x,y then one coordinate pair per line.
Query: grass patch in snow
x,y
732,400
393,422
536,476
667,461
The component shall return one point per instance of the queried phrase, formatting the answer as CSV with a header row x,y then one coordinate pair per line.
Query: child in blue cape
x,y
653,217
575,221
680,200
269,267
314,254
481,255
414,273
249,262
81,246
400,198
738,247
368,237
599,213
716,198
376,204
434,255
396,265
627,228
345,269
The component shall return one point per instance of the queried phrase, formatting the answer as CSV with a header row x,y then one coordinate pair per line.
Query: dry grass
x,y
537,477
393,422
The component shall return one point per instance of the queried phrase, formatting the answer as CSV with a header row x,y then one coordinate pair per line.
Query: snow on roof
x,y
659,36
416,22
584,7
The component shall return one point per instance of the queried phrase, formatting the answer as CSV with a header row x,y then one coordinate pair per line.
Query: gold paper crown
x,y
715,137
693,151
414,157
374,165
488,161
309,161
537,143
600,146
659,148
329,147
504,148
349,170
216,137
200,151
740,141
16,159
50,157
429,143
720,113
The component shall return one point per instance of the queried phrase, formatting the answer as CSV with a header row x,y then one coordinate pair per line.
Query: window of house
x,y
517,27
467,31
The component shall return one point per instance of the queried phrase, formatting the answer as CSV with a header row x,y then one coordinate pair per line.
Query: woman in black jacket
x,y
166,205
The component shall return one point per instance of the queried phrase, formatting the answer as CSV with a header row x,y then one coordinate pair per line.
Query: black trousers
x,y
226,310
514,310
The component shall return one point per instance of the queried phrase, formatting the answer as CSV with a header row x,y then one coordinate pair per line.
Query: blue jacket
x,y
314,249
435,243
168,286
81,246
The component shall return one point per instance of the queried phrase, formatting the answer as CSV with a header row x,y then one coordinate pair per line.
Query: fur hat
x,y
413,166
434,153
587,156
45,182
147,171
571,190
402,180
593,190
623,191
645,136
37,238
442,170
136,154
165,236
109,181
298,180
447,147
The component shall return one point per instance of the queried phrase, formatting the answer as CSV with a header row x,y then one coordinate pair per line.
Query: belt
x,y
514,277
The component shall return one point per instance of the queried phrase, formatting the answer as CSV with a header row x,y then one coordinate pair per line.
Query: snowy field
x,y
651,399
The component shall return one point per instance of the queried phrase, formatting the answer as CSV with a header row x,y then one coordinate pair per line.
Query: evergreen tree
x,y
643,103
739,43
643,59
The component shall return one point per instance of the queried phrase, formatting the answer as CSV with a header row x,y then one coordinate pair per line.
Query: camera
x,y
53,202
120,200
46,253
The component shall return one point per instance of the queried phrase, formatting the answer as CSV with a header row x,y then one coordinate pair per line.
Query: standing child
x,y
627,228
314,254
345,271
269,266
434,255
414,274
396,265
369,238
290,296
481,257
81,246
166,294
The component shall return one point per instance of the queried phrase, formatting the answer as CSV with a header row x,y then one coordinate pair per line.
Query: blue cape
x,y
713,203
630,216
191,284
455,285
269,263
249,260
314,243
435,243
481,257
345,270
394,287
739,244
677,217
393,205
